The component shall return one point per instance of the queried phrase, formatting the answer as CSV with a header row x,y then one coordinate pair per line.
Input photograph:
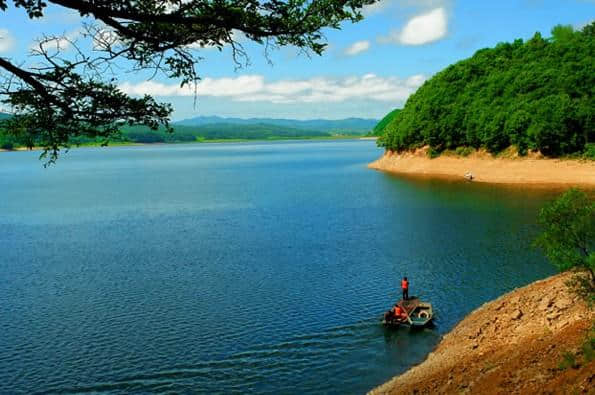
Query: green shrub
x,y
568,361
589,152
6,141
433,153
9,145
589,349
568,233
464,151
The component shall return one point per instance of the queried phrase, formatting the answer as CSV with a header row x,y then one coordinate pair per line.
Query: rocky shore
x,y
516,344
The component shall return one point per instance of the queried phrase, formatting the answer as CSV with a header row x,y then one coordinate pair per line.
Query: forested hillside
x,y
380,127
534,95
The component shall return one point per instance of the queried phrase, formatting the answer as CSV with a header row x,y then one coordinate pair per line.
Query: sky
x,y
368,69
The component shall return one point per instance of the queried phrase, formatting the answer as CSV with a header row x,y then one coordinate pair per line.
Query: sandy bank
x,y
486,168
513,344
20,149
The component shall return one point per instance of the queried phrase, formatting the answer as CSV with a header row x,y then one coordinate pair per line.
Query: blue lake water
x,y
251,267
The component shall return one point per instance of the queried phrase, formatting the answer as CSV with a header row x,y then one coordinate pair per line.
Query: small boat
x,y
418,314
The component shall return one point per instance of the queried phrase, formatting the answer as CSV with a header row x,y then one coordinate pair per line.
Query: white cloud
x,y
56,43
383,6
415,81
421,29
7,42
357,48
223,87
425,28
254,88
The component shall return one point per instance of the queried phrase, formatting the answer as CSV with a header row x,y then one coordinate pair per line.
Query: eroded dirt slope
x,y
513,344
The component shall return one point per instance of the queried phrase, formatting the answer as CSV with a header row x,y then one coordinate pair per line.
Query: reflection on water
x,y
259,267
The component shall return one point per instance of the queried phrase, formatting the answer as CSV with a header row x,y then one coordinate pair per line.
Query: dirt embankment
x,y
508,169
512,345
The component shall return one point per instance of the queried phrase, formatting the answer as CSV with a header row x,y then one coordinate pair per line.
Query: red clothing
x,y
399,312
404,284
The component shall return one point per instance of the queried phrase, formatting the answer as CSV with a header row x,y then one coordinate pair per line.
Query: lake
x,y
249,267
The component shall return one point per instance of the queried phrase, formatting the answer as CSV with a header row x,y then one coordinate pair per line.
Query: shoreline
x,y
213,141
532,170
512,344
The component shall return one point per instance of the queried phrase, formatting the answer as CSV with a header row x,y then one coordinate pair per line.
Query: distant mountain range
x,y
349,125
341,126
219,128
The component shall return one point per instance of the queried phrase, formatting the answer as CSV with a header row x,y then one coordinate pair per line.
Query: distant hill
x,y
343,126
220,131
217,128
533,95
4,115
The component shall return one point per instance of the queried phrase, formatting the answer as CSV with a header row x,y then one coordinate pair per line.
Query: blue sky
x,y
369,68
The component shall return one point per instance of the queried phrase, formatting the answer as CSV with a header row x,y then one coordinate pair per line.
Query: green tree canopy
x,y
380,127
58,97
568,237
535,95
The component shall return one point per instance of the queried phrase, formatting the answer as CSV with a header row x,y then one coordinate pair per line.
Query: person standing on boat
x,y
405,288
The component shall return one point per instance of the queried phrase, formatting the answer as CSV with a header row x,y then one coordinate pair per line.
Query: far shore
x,y
532,170
121,144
